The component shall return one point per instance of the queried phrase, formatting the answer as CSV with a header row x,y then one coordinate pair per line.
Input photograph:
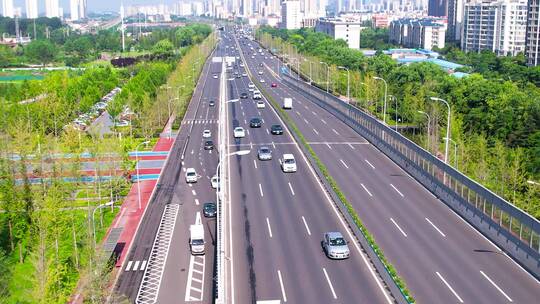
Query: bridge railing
x,y
509,227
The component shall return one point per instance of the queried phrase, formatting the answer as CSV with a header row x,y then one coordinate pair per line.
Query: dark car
x,y
211,103
209,209
274,84
276,130
243,95
255,122
208,145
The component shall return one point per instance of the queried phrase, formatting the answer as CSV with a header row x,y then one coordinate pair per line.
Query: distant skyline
x,y
96,5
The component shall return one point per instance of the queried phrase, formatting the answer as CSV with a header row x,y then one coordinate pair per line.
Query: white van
x,y
288,164
196,239
287,103
257,95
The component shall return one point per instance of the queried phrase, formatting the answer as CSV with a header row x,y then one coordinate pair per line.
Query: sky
x,y
98,5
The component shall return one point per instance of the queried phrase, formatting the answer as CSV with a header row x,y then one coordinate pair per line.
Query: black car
x,y
276,130
209,209
211,103
243,95
208,145
255,122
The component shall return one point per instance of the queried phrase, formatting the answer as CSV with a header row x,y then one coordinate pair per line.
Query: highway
x,y
278,221
441,257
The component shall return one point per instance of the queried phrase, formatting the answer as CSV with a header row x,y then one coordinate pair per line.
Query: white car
x,y
244,74
260,104
214,181
288,164
260,72
206,134
239,132
252,57
215,76
251,85
191,175
262,80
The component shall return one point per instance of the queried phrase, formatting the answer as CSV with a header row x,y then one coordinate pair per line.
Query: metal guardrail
x,y
509,227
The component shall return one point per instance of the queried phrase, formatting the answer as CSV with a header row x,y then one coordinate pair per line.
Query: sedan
x,y
243,95
260,72
335,246
214,181
215,76
208,145
274,85
239,132
206,134
209,209
276,130
260,104
255,122
264,153
211,103
262,80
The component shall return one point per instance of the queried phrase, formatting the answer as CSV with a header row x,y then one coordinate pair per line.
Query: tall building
x,y
7,8
310,8
455,19
423,33
437,8
498,26
52,9
338,28
291,18
77,9
247,8
31,9
532,44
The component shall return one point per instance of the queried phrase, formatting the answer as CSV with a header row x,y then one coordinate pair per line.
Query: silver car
x,y
335,246
264,153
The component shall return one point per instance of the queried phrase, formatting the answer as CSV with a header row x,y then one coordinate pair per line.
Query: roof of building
x,y
437,22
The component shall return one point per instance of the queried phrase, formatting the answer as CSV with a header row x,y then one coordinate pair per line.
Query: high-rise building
x,y
291,18
338,28
310,8
455,19
532,44
423,33
437,8
498,26
7,8
247,8
52,9
77,9
31,9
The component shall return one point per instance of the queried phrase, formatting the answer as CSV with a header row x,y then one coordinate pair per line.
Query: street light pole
x,y
455,152
428,124
348,82
327,75
93,221
385,96
138,177
447,126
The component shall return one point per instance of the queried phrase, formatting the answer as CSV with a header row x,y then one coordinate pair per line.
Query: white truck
x,y
287,103
196,239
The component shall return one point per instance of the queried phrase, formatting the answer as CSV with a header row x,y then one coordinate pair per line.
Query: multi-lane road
x,y
276,221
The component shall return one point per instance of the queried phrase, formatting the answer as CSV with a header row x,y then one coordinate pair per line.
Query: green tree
x,y
163,48
41,51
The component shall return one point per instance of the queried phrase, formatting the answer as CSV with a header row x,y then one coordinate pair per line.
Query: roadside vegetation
x,y
495,121
47,243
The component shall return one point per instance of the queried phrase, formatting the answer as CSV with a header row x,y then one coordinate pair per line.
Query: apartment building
x,y
532,43
291,18
425,33
339,28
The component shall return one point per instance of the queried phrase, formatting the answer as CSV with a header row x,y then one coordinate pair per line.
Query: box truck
x,y
287,103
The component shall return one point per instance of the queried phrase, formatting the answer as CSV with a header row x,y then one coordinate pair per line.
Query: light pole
x,y
239,153
348,82
428,123
327,75
447,126
138,178
107,204
455,152
169,108
385,96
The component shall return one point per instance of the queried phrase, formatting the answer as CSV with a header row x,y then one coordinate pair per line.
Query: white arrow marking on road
x,y
198,220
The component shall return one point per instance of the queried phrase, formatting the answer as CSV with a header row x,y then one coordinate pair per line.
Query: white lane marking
x,y
352,147
367,161
397,190
329,147
190,185
193,192
401,230
329,283
136,266
247,131
290,187
369,193
255,163
282,288
495,285
128,267
298,113
260,190
315,131
436,228
314,113
192,151
184,169
341,160
267,132
143,265
269,228
449,287
335,131
273,145
245,122
324,122
306,225
305,120
196,201
243,114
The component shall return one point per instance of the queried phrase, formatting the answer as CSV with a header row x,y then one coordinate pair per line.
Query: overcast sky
x,y
98,5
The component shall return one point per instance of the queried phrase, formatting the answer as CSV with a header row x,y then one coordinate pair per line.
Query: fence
x,y
512,229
